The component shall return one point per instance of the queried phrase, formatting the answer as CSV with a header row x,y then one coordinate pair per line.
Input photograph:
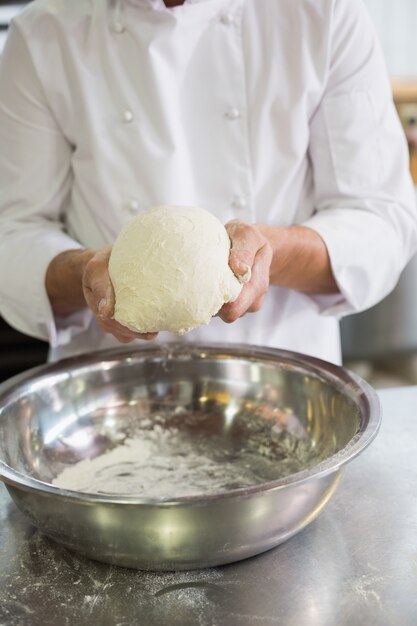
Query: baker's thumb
x,y
105,303
241,261
244,273
244,246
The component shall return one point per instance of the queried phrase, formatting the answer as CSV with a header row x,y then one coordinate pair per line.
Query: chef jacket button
x,y
127,117
239,202
232,113
118,28
133,206
226,19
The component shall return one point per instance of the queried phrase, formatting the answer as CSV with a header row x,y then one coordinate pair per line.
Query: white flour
x,y
165,462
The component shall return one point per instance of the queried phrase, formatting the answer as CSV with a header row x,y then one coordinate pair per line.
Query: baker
x,y
275,116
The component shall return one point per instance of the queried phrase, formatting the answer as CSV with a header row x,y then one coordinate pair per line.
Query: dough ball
x,y
170,270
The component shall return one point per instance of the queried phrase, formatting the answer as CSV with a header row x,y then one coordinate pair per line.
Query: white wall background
x,y
396,24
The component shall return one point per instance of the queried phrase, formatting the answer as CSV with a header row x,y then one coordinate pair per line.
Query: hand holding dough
x,y
170,270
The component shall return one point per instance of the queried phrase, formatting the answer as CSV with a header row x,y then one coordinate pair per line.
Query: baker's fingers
x,y
233,311
99,295
114,327
97,287
147,336
122,333
126,337
246,241
256,305
252,294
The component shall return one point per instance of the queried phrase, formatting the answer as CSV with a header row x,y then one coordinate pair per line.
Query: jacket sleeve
x,y
35,185
364,197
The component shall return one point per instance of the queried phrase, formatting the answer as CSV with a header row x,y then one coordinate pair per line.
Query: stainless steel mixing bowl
x,y
55,415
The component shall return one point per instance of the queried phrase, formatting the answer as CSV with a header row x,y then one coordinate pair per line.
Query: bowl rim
x,y
358,389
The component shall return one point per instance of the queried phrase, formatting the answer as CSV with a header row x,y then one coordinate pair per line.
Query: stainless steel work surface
x,y
356,564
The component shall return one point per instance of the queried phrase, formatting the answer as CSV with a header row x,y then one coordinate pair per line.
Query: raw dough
x,y
170,270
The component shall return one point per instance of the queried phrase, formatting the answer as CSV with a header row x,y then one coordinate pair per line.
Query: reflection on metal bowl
x,y
221,397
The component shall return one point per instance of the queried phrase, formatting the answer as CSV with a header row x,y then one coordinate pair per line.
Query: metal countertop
x,y
355,565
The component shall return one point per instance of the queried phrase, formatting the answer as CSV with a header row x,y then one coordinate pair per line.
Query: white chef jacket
x,y
269,111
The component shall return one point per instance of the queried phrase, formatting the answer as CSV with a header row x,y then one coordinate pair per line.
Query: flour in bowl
x,y
164,461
